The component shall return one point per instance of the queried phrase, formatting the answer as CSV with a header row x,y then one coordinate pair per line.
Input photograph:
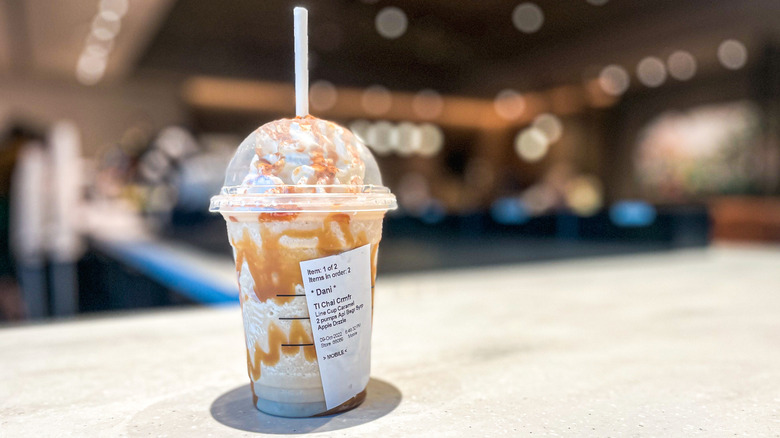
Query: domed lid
x,y
302,164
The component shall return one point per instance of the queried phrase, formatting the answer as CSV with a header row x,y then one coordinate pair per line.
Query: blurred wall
x,y
102,113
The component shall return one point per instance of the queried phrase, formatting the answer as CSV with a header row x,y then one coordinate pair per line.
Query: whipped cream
x,y
305,151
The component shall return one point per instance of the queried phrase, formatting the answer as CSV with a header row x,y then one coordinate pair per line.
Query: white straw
x,y
301,17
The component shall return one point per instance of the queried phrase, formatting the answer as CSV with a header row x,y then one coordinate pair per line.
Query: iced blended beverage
x,y
304,204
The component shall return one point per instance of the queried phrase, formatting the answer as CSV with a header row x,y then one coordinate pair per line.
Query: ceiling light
x,y
509,104
105,26
528,17
90,69
391,22
531,144
115,7
732,54
550,125
431,139
651,72
614,80
682,65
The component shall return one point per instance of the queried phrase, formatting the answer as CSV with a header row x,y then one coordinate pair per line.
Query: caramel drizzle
x,y
275,269
266,168
252,386
324,169
373,278
277,345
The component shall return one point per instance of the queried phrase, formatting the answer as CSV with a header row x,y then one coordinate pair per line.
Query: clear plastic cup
x,y
298,190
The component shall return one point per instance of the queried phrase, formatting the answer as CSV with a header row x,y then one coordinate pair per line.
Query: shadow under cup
x,y
268,247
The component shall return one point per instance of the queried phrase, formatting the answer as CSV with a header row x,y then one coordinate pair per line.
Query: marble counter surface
x,y
671,344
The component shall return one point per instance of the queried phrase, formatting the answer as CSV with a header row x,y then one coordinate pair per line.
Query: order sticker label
x,y
338,295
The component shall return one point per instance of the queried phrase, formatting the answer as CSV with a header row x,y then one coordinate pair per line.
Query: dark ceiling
x,y
449,45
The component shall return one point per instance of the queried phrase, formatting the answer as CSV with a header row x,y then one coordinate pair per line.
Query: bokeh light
x,y
105,26
540,198
427,104
97,47
682,65
90,69
117,8
550,125
531,144
632,214
409,138
431,139
391,22
360,128
509,104
509,211
382,137
434,212
583,195
376,100
404,139
322,95
732,54
614,80
651,72
528,17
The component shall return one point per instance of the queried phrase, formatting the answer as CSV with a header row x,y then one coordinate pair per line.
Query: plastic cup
x,y
273,225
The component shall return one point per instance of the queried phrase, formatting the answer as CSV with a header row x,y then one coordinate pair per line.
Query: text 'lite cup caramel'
x,y
303,200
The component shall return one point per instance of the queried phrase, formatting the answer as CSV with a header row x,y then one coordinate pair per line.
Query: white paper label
x,y
338,294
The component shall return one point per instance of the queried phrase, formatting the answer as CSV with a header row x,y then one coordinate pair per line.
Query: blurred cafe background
x,y
511,131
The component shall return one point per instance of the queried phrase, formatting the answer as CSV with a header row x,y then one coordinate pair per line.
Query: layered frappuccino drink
x,y
304,203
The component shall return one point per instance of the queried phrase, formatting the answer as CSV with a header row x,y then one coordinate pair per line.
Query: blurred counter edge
x,y
172,267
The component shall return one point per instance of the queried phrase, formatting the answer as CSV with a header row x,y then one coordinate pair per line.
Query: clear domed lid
x,y
302,164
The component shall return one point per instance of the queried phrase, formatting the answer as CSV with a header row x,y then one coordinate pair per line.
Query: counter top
x,y
670,344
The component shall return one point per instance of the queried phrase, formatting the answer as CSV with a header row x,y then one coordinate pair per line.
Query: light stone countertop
x,y
683,343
